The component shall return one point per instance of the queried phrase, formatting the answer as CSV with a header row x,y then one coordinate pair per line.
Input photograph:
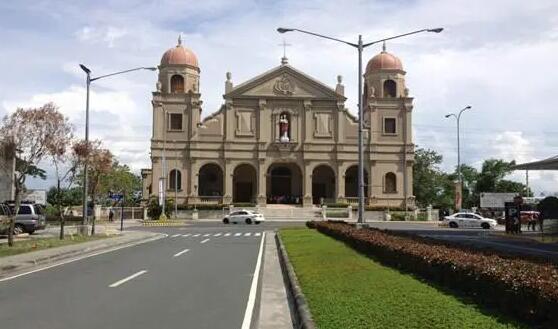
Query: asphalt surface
x,y
198,277
478,238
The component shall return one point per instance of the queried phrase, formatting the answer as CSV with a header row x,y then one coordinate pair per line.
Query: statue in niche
x,y
159,86
284,128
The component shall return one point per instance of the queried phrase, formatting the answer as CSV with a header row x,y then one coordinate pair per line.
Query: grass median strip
x,y
345,289
23,246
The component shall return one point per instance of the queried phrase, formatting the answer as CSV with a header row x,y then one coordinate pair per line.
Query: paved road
x,y
477,238
197,277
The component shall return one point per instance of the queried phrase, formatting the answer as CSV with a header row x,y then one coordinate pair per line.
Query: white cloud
x,y
484,58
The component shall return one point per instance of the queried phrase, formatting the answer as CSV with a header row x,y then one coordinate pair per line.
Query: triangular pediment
x,y
284,81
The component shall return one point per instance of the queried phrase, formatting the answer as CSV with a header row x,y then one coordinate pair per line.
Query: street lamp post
x,y
360,47
88,81
458,202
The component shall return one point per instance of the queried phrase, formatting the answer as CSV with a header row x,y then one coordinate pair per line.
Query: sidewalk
x,y
12,265
274,307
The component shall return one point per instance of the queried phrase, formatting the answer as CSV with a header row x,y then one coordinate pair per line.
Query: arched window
x,y
177,84
390,183
175,180
390,88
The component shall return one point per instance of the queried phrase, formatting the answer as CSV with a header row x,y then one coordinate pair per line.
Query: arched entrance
x,y
210,181
244,183
351,182
323,184
284,184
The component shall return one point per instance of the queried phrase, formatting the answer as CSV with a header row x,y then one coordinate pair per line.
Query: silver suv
x,y
5,214
30,217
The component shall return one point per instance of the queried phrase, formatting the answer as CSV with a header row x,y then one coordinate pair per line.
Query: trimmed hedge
x,y
523,289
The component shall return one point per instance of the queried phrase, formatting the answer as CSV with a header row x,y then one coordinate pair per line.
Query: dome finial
x,y
384,47
179,39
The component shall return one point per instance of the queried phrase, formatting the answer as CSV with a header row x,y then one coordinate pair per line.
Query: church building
x,y
281,137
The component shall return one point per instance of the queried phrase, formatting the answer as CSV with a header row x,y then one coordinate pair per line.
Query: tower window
x,y
390,88
175,121
390,126
175,178
390,183
177,84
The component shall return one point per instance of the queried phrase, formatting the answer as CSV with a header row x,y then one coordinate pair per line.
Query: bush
x,y
154,210
521,288
377,208
202,206
337,205
337,214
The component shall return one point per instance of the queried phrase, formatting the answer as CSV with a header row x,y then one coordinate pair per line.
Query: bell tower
x,y
176,115
388,114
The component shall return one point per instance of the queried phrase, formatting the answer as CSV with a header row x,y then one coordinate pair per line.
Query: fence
x,y
102,213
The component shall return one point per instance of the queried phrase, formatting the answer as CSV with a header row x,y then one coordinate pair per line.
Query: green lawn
x,y
23,246
346,290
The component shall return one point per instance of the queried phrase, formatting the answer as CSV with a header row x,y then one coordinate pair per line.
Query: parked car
x,y
244,216
4,219
469,220
30,218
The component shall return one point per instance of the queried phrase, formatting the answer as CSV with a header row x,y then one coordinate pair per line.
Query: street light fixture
x,y
88,81
459,178
360,47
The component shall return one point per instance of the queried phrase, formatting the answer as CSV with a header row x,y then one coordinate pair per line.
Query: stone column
x,y
340,182
228,181
193,197
307,186
262,180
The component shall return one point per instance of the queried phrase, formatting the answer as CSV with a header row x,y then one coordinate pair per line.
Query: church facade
x,y
280,138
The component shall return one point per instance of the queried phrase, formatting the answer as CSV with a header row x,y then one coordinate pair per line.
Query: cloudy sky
x,y
498,56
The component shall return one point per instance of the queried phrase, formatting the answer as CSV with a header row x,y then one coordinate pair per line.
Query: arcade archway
x,y
210,180
284,184
244,183
323,184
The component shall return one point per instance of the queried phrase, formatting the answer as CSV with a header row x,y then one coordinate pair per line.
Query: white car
x,y
244,216
469,220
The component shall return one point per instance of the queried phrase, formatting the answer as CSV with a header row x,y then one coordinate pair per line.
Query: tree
x,y
121,179
31,135
72,196
99,162
65,166
431,186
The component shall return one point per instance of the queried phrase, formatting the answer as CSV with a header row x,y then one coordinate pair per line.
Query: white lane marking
x,y
133,276
195,235
227,234
247,234
246,323
257,234
218,234
181,252
204,241
186,235
176,235
208,234
83,257
237,234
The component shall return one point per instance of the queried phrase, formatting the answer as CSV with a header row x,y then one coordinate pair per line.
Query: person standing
x,y
111,214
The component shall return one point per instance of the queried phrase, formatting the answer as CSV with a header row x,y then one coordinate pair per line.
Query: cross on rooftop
x,y
284,60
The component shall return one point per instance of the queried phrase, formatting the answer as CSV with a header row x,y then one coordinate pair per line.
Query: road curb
x,y
302,311
11,269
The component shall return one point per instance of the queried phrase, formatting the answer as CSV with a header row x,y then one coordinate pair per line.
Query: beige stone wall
x,y
246,131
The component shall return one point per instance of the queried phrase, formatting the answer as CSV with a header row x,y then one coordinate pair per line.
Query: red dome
x,y
179,56
384,61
